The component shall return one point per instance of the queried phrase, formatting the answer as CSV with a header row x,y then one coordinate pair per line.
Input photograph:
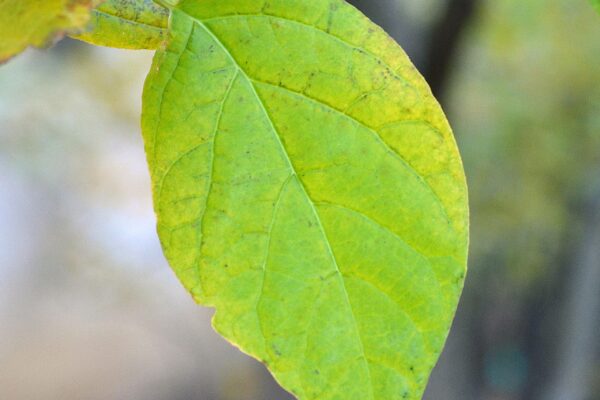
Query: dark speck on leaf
x,y
276,351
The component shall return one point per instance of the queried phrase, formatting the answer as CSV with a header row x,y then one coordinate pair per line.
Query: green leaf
x,y
308,186
596,4
127,24
38,23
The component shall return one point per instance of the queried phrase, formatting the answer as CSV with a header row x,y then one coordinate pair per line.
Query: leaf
x,y
38,23
596,4
308,186
127,24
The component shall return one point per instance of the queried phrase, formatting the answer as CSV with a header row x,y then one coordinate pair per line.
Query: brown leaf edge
x,y
56,36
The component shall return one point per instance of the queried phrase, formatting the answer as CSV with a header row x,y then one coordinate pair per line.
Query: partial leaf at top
x,y
308,186
596,4
127,24
38,23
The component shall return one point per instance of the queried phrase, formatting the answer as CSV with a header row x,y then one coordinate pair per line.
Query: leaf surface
x,y
127,24
308,186
596,4
38,23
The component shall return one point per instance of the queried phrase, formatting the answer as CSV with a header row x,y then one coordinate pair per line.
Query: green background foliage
x,y
547,147
308,186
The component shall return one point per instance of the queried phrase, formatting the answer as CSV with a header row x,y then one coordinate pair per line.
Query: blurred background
x,y
90,310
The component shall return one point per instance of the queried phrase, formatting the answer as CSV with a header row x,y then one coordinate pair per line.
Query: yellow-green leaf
x,y
308,186
38,23
127,24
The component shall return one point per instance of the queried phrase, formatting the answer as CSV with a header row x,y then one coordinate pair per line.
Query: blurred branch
x,y
433,57
580,317
388,14
444,40
381,12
